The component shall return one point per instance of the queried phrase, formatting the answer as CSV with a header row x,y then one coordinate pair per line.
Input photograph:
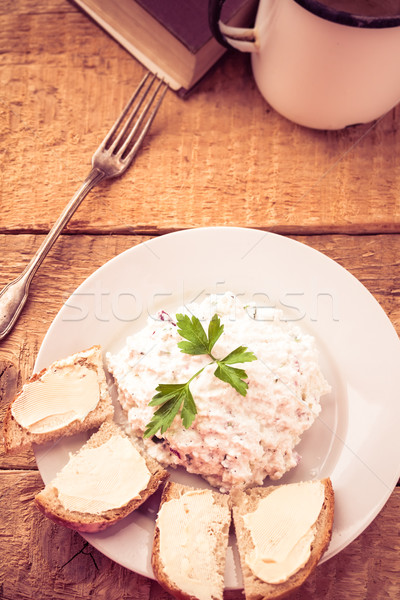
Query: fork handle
x,y
15,294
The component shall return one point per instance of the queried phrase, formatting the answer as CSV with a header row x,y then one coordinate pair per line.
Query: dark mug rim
x,y
345,18
313,6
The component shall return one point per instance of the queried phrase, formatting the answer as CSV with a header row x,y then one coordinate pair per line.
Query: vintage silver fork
x,y
111,159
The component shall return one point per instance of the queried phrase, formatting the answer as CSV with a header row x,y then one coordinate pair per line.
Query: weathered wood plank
x,y
41,559
37,556
222,156
374,260
9,384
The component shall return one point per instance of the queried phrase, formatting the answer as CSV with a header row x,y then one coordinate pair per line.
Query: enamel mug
x,y
318,66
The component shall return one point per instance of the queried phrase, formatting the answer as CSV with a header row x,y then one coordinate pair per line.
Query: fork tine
x,y
105,143
116,147
129,156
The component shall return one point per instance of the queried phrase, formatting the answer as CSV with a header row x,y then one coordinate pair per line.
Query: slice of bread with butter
x,y
282,532
190,542
70,396
103,482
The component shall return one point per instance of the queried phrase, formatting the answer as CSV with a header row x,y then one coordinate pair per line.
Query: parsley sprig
x,y
173,398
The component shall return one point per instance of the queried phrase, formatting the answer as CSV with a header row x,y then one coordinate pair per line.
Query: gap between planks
x,y
368,229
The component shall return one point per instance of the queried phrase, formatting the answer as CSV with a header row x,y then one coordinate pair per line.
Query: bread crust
x,y
175,490
47,500
17,437
247,501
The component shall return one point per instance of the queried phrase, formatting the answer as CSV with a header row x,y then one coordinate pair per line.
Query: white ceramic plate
x,y
354,441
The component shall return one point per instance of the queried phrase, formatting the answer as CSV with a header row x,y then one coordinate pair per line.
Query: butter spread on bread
x,y
57,399
282,529
69,396
103,482
102,478
191,539
281,540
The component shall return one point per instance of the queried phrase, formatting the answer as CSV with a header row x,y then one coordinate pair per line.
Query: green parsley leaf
x,y
240,355
189,409
192,330
235,377
162,418
171,397
166,391
215,330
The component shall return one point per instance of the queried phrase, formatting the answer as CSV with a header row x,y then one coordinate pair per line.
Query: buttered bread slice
x,y
282,532
103,482
190,542
70,396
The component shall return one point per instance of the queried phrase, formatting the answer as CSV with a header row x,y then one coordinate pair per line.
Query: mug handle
x,y
241,38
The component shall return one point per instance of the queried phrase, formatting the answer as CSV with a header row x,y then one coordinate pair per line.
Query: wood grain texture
x,y
221,156
35,553
10,382
39,559
374,260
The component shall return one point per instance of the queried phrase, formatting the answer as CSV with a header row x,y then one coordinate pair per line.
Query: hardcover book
x,y
171,38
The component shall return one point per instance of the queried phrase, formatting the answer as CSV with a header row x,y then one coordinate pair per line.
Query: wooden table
x,y
220,157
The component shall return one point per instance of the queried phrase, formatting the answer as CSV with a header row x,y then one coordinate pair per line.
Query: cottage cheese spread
x,y
234,440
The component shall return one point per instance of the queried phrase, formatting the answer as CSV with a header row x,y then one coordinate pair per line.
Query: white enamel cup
x,y
316,66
